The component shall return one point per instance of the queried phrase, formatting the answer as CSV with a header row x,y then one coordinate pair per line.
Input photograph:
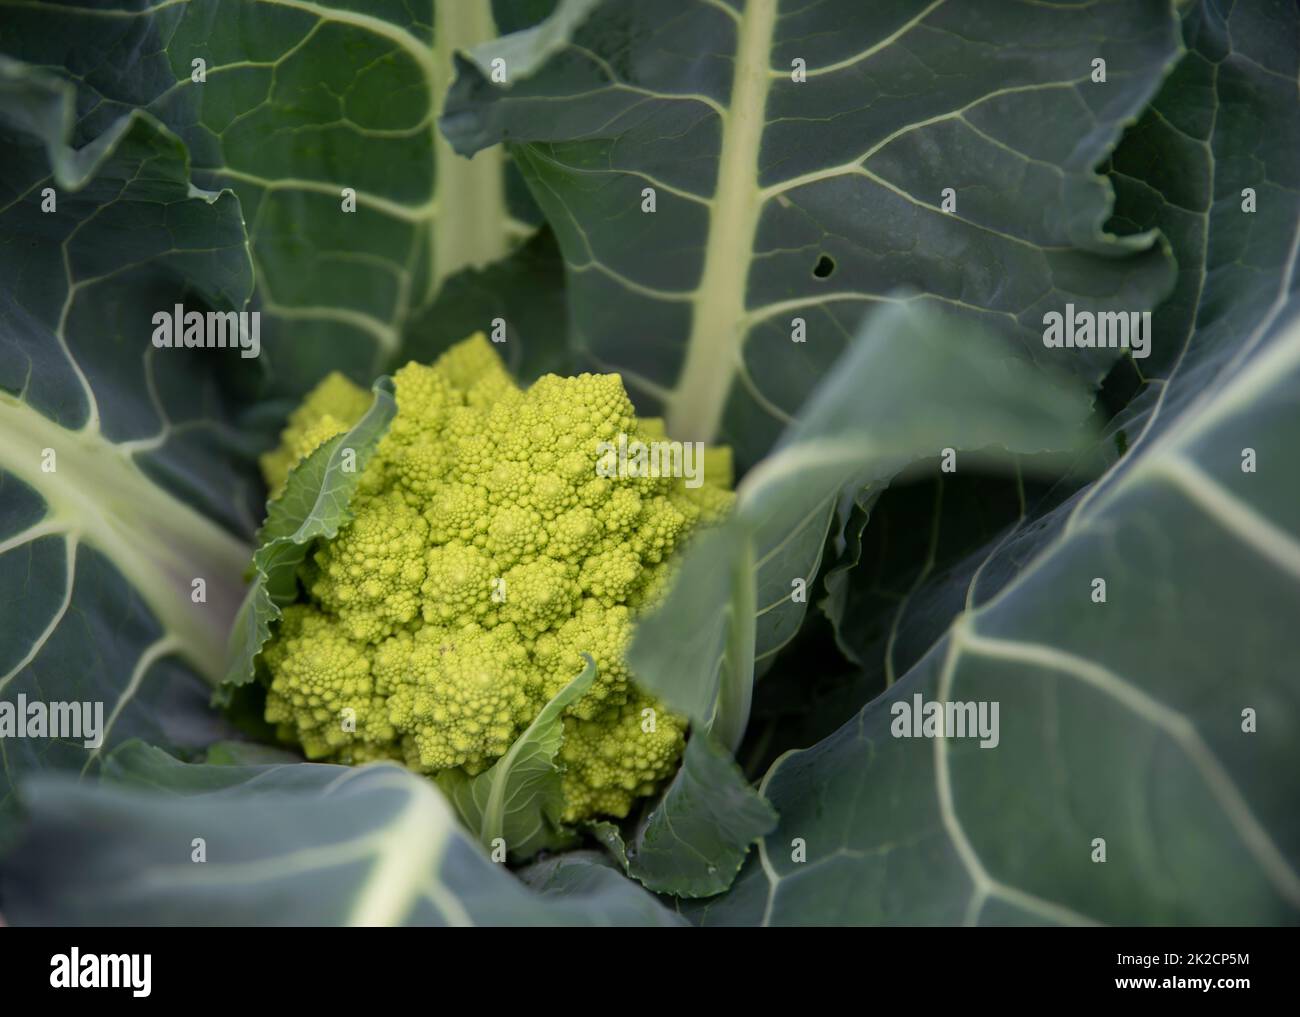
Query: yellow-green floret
x,y
490,548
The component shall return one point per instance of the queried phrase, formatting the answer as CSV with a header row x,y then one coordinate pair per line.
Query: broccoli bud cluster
x,y
486,554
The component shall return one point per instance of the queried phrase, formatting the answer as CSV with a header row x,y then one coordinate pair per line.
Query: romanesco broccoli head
x,y
497,537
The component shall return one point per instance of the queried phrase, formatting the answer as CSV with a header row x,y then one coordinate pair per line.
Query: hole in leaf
x,y
824,267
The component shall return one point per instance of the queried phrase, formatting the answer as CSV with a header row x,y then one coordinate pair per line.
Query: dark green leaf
x,y
301,844
1163,720
694,840
587,877
780,201
911,386
299,102
525,291
123,486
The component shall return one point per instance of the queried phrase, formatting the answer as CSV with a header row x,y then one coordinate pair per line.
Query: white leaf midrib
x,y
158,542
473,227
695,410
